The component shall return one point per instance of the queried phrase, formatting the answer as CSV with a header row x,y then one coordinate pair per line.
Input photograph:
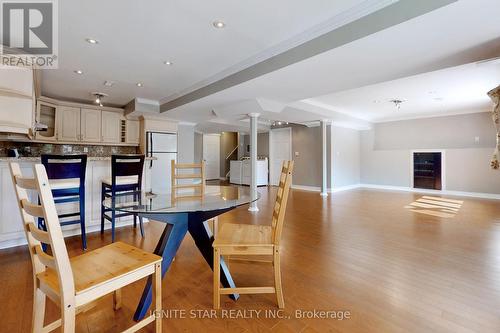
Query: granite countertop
x,y
37,159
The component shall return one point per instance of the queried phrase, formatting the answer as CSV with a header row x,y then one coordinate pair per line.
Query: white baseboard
x,y
306,188
19,239
493,196
441,192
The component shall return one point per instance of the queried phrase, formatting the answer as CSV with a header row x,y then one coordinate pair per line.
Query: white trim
x,y
306,188
186,123
442,192
344,188
289,129
443,165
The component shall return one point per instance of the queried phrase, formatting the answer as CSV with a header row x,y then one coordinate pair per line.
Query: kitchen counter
x,y
37,159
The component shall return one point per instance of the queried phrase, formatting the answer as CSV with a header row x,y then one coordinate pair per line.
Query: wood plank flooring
x,y
360,251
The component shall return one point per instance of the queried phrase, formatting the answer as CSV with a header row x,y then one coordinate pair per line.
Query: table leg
x,y
170,240
203,239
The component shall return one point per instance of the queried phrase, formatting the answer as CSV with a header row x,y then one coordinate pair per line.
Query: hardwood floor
x,y
394,270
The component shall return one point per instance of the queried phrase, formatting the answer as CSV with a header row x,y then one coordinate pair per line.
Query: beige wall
x,y
386,151
307,142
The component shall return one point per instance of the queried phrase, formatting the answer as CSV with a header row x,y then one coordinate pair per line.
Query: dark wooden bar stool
x,y
67,181
126,179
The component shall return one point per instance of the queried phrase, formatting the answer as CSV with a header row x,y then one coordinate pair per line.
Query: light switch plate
x,y
297,154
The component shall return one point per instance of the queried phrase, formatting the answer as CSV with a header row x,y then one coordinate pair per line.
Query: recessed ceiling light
x,y
92,41
219,24
109,83
78,71
139,84
168,63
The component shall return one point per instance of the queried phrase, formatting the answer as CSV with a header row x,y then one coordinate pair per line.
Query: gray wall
x,y
307,168
346,156
198,147
386,151
262,144
185,144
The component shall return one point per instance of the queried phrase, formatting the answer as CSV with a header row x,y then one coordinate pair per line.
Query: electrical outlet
x,y
297,154
476,139
85,149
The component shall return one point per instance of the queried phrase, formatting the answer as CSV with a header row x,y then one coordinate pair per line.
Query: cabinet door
x,y
46,114
69,124
111,123
132,132
91,125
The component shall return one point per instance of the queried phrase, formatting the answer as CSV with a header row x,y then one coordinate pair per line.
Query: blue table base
x,y
177,225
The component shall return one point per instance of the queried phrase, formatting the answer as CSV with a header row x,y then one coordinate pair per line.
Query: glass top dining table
x,y
181,215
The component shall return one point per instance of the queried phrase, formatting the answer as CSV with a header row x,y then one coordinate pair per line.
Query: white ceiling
x,y
136,37
455,90
458,34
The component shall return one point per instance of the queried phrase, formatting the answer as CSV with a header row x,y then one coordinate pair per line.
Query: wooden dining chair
x,y
74,283
188,182
254,240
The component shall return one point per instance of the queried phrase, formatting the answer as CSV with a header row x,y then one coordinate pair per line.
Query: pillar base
x,y
253,209
324,194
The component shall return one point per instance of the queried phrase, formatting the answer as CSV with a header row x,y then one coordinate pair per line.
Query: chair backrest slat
x,y
59,260
281,200
197,189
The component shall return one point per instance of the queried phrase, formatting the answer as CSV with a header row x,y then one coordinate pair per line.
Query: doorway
x,y
280,149
211,155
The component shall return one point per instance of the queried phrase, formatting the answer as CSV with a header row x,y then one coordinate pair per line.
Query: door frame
x,y
203,151
283,129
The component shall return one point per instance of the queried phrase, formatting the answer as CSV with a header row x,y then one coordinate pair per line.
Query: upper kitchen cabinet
x,y
132,131
17,99
68,124
111,127
90,125
46,118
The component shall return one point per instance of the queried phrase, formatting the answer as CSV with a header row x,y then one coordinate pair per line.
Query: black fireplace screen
x,y
427,170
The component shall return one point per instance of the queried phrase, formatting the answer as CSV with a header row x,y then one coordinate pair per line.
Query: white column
x,y
324,181
253,160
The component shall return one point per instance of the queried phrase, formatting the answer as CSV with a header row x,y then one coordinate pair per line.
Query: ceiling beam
x,y
396,13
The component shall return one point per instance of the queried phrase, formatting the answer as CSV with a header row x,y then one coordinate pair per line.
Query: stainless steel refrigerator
x,y
163,147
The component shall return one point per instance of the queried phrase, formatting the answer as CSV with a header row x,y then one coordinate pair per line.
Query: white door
x,y
69,124
280,149
111,126
211,155
91,125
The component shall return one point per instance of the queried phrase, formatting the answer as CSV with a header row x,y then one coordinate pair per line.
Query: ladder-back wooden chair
x,y
184,181
255,240
195,182
74,283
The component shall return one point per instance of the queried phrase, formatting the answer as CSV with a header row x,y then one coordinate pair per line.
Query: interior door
x,y
211,155
280,149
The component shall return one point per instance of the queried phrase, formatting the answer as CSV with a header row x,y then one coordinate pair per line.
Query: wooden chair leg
x,y
215,226
38,311
68,319
117,299
277,279
216,278
158,296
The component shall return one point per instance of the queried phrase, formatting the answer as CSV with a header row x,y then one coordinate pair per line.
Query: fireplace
x,y
427,170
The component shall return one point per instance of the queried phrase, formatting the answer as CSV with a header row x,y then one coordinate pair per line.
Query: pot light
x,y
218,24
139,84
168,63
92,41
79,72
109,83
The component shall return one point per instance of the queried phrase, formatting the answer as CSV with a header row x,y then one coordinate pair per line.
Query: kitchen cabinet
x,y
46,114
132,131
68,124
111,127
90,125
17,100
